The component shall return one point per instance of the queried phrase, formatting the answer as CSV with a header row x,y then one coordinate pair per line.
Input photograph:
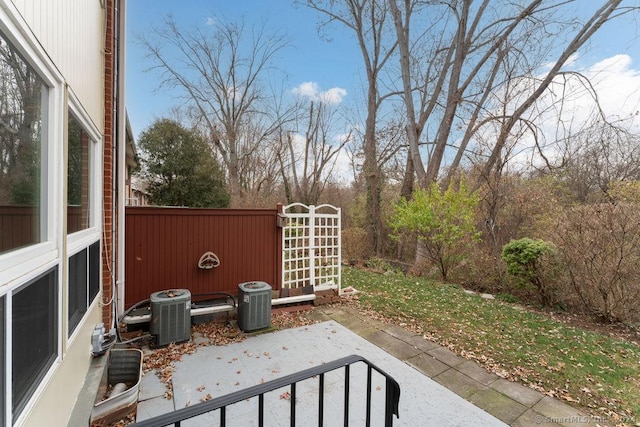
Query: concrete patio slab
x,y
399,332
151,387
472,370
460,383
558,412
428,365
398,348
447,356
151,407
218,370
498,405
518,392
421,343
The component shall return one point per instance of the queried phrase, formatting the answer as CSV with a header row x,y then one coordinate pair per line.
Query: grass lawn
x,y
596,372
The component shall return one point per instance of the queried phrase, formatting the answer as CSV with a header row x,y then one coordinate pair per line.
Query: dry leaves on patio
x,y
218,333
286,320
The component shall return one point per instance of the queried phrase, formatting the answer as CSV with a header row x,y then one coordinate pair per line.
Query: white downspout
x,y
121,155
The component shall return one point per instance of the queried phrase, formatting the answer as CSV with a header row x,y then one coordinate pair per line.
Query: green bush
x,y
444,223
532,262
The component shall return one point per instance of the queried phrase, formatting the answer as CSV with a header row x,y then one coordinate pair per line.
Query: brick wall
x,y
108,166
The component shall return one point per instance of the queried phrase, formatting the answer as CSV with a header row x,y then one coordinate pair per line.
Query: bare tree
x,y
474,51
368,20
221,71
465,66
596,157
309,156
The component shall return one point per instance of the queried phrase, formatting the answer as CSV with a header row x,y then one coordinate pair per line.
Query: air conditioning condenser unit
x,y
254,306
170,316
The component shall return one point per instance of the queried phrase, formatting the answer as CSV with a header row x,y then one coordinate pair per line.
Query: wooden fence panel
x,y
19,226
163,246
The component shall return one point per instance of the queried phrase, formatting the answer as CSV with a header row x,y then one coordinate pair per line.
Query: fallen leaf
x,y
285,396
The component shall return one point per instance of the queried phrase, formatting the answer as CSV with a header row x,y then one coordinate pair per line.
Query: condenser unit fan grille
x,y
171,316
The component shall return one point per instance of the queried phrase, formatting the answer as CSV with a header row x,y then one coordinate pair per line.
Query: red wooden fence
x,y
163,246
19,226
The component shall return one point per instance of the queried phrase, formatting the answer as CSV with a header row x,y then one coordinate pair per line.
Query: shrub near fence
x,y
600,245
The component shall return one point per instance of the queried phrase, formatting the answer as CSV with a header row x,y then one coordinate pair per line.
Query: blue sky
x,y
334,64
330,65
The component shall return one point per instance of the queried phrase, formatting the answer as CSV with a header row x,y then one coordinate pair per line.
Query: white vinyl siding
x,y
72,33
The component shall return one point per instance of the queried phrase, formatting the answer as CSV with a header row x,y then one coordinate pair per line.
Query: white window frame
x,y
14,264
22,265
83,239
79,239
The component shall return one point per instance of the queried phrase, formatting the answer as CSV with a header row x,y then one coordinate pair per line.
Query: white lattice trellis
x,y
311,246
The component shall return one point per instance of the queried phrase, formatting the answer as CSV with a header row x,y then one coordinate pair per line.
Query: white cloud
x,y
312,91
573,58
307,89
211,21
333,95
617,85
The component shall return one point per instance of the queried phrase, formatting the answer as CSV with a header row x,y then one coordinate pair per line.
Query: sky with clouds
x,y
329,68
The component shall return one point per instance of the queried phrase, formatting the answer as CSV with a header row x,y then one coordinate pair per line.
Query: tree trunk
x,y
372,179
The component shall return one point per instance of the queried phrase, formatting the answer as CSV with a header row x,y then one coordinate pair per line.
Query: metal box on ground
x,y
170,316
254,306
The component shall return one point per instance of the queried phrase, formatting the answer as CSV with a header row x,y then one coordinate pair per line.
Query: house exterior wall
x,y
71,45
72,32
54,406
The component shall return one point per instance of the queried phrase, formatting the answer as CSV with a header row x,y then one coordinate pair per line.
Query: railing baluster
x,y
261,410
293,404
369,385
321,401
346,395
392,396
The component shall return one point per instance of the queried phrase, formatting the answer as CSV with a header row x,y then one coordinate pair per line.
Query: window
x,y
94,271
21,102
82,231
77,288
84,283
78,176
34,338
